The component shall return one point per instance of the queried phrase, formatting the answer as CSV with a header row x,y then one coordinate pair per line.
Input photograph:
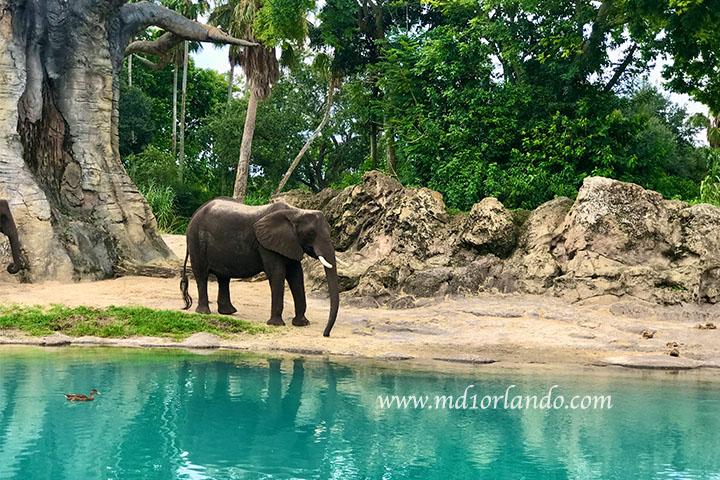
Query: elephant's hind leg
x,y
225,307
297,287
201,278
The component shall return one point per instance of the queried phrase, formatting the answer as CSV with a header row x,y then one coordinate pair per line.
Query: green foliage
x,y
121,322
710,185
280,21
137,129
517,100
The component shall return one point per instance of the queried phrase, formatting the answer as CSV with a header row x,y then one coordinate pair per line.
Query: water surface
x,y
166,414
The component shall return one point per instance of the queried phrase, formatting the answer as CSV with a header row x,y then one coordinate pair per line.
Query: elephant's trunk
x,y
17,264
334,290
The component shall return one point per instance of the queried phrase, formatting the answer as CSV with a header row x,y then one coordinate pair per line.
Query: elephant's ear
x,y
277,233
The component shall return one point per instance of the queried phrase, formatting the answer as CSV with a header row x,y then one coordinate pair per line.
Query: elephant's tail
x,y
184,284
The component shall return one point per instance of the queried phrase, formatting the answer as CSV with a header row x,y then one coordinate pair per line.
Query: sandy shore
x,y
501,328
517,329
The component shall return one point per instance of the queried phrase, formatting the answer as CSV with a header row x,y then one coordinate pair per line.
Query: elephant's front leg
x,y
276,276
297,287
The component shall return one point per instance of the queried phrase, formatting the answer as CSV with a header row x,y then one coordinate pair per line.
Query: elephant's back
x,y
228,208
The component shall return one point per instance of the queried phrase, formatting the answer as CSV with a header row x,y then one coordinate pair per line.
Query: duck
x,y
79,397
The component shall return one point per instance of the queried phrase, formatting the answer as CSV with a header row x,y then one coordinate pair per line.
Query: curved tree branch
x,y
138,16
621,68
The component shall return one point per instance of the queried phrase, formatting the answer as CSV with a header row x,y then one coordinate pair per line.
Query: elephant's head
x,y
295,232
7,226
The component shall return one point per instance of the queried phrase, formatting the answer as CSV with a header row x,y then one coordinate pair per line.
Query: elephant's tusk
x,y
325,263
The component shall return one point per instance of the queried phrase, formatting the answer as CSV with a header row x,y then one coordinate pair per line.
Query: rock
x,y
396,356
201,340
583,336
707,326
674,352
490,228
621,239
653,362
401,303
471,359
428,283
616,239
485,273
306,199
303,351
630,310
648,333
56,340
588,324
532,262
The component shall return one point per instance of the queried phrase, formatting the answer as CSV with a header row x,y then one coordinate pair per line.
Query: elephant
x,y
233,240
7,226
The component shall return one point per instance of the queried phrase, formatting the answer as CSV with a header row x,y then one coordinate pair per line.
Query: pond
x,y
167,414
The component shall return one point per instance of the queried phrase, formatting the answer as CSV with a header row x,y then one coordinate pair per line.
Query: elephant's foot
x,y
301,321
226,309
202,309
276,321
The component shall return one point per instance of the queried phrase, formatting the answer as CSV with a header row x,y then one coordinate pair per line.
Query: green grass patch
x,y
121,322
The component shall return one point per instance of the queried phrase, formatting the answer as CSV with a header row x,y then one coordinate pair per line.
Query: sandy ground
x,y
518,329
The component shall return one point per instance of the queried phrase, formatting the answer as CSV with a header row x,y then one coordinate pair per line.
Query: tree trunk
x,y
373,145
243,169
174,114
326,116
183,100
231,77
713,131
78,213
390,150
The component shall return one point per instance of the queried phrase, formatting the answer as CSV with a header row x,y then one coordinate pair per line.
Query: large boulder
x,y
532,262
490,228
615,238
621,239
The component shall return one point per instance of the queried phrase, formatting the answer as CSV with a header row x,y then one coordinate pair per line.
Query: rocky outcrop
x,y
614,238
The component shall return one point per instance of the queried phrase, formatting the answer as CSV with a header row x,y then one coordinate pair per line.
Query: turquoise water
x,y
179,415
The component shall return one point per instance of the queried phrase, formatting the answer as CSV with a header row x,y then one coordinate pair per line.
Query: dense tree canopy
x,y
514,99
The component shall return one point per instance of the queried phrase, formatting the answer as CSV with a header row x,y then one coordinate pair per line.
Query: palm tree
x,y
711,123
261,72
222,17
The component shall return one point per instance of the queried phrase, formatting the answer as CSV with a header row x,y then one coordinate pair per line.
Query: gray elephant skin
x,y
7,226
233,240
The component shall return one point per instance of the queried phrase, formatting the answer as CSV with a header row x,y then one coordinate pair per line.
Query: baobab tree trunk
x,y
78,213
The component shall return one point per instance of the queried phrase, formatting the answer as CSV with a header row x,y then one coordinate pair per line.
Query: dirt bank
x,y
504,328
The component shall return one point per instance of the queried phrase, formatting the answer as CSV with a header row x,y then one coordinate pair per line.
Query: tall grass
x,y
162,202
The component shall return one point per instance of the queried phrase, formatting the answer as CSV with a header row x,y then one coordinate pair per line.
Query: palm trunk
x,y
230,81
174,114
296,161
713,132
241,179
186,54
